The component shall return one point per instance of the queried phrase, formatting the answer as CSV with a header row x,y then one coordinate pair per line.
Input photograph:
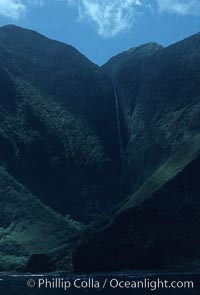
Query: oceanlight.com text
x,y
113,283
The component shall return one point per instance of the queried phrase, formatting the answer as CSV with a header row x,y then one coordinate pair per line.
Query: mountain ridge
x,y
59,138
61,103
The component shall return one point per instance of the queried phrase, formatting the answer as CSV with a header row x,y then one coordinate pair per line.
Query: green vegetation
x,y
27,225
156,228
60,166
159,93
58,130
57,133
157,225
166,172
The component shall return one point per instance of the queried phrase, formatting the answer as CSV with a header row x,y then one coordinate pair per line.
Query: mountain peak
x,y
145,49
16,29
9,26
130,56
29,43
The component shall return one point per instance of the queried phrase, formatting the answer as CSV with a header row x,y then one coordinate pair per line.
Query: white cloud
x,y
16,8
110,16
12,8
183,7
114,16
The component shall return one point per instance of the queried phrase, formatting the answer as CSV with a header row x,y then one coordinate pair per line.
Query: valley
x,y
98,165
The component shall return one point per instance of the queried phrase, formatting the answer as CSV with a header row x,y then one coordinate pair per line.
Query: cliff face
x,y
158,90
58,127
157,228
69,130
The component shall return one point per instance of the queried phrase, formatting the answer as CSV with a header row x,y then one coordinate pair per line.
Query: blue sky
x,y
103,28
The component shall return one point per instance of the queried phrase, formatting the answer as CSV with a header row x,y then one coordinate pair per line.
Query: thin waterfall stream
x,y
117,111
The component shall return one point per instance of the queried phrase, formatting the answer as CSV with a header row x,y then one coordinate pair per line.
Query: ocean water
x,y
104,283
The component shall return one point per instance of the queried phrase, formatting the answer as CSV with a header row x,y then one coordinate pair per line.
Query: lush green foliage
x,y
27,225
157,226
58,129
60,160
159,93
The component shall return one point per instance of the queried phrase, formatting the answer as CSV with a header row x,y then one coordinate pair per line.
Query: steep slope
x,y
27,226
155,228
64,73
58,126
158,89
130,59
60,122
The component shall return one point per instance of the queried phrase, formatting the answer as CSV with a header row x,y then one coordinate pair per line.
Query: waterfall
x,y
117,112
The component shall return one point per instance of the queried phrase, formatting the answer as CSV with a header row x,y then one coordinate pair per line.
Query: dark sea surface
x,y
99,284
